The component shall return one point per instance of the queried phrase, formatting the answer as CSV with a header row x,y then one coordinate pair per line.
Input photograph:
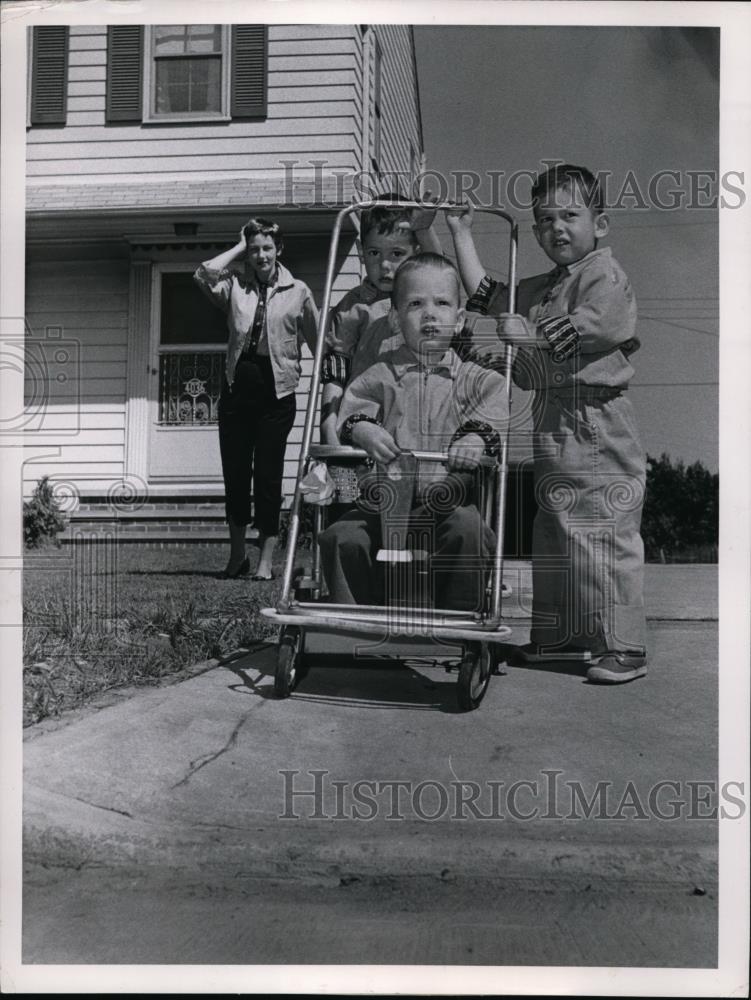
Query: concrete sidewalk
x,y
193,774
671,592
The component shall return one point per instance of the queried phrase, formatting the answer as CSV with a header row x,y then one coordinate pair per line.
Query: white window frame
x,y
149,83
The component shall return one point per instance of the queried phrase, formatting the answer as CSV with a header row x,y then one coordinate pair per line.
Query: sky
x,y
632,101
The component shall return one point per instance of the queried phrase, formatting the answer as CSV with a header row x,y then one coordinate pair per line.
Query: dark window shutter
x,y
249,71
124,73
49,75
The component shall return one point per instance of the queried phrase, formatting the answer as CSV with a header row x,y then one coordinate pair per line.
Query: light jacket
x,y
587,312
291,318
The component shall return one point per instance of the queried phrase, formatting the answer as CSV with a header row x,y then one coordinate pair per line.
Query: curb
x,y
65,832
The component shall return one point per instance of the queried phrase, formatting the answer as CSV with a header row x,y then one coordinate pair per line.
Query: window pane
x,y
184,85
204,38
170,39
183,39
187,315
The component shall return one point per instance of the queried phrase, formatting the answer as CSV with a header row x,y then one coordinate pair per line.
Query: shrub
x,y
42,517
681,511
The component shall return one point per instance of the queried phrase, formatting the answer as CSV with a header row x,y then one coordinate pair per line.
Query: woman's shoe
x,y
258,577
242,570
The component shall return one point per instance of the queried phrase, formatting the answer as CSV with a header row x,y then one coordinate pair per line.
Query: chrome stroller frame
x,y
476,631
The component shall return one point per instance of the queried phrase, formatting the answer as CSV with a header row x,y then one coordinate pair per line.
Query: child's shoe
x,y
617,668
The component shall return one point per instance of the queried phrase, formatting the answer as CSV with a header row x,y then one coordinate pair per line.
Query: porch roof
x,y
197,195
134,213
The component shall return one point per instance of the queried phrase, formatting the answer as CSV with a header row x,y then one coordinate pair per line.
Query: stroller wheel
x,y
474,676
288,661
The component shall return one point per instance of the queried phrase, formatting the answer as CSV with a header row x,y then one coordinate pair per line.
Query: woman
x,y
269,314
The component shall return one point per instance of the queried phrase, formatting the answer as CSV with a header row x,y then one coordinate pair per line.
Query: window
x,y
186,72
376,154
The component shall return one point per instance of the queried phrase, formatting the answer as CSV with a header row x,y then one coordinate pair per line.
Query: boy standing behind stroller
x,y
588,557
421,397
358,325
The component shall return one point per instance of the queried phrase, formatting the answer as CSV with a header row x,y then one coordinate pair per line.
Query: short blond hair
x,y
421,262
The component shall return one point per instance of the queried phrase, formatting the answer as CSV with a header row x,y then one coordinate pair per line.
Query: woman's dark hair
x,y
263,227
568,177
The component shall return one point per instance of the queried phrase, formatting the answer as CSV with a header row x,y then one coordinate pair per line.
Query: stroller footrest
x,y
394,555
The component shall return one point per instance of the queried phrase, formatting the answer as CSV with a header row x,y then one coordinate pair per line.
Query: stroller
x,y
302,607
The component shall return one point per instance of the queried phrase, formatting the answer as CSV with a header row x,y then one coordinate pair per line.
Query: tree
x,y
681,509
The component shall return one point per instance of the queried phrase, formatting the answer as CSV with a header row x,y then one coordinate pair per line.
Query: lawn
x,y
99,617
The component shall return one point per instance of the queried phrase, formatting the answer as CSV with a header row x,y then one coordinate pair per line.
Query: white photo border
x,y
734,21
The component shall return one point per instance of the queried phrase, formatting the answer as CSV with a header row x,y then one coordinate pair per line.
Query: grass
x,y
96,619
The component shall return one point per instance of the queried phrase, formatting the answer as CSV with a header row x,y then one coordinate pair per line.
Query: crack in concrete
x,y
96,805
200,762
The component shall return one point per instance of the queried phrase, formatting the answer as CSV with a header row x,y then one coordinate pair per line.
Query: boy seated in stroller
x,y
421,397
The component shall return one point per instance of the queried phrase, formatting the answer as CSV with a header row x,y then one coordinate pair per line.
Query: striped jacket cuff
x,y
562,336
336,368
480,298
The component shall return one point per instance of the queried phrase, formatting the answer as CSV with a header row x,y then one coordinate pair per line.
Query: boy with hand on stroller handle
x,y
587,552
511,327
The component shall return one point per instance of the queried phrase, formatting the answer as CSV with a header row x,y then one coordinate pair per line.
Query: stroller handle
x,y
333,451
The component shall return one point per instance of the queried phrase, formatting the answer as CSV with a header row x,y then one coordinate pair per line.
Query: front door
x,y
188,348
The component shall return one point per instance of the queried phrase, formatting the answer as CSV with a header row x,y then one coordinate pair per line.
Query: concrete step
x,y
162,523
149,512
167,521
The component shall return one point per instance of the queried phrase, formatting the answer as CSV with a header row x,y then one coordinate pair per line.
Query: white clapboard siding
x,y
83,478
291,122
314,108
68,418
83,410
96,437
399,114
159,167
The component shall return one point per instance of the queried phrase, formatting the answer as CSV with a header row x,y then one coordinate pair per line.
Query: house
x,y
148,147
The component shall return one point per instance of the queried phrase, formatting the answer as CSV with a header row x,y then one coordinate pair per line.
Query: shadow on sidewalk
x,y
380,683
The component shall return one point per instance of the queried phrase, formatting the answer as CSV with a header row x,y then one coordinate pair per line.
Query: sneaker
x,y
531,652
617,668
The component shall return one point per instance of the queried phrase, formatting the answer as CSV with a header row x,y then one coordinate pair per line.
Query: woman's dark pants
x,y
253,430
